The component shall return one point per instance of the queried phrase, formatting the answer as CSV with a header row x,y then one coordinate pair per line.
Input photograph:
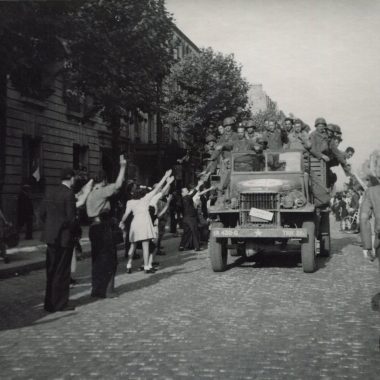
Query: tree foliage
x,y
271,113
119,53
30,48
202,89
115,51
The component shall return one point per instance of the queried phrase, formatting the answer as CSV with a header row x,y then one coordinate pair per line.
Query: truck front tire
x,y
218,254
308,248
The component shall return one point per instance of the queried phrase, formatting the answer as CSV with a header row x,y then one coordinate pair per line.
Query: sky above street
x,y
314,58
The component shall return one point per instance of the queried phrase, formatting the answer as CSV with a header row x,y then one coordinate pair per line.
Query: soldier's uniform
x,y
337,157
226,137
298,140
274,141
319,141
254,136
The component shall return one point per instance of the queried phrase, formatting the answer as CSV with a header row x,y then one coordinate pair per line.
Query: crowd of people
x,y
145,211
293,134
142,225
345,207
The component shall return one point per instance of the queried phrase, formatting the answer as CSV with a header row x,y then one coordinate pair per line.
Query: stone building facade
x,y
39,138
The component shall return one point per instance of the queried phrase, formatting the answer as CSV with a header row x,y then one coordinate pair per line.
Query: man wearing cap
x,y
58,216
229,134
319,141
210,143
298,139
251,133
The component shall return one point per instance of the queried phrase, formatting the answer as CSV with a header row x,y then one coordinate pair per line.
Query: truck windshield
x,y
267,162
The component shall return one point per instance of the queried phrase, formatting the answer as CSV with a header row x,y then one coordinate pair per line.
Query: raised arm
x,y
82,195
206,191
120,177
166,188
158,188
163,211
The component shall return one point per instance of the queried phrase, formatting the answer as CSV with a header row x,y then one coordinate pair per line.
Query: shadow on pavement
x,y
27,309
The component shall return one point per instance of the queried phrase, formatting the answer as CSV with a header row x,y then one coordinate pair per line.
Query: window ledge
x,y
74,115
40,104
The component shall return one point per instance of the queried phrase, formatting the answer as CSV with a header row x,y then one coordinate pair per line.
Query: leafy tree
x,y
201,90
116,52
119,53
30,45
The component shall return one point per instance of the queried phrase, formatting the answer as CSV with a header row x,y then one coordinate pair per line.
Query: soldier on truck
x,y
273,192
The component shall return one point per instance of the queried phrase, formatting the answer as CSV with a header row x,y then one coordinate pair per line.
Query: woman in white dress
x,y
142,229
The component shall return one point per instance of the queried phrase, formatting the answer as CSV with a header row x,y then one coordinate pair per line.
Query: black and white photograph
x,y
190,189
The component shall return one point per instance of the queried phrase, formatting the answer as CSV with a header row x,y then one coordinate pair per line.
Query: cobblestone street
x,y
264,320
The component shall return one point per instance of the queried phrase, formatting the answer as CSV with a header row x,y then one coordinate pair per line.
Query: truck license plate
x,y
261,214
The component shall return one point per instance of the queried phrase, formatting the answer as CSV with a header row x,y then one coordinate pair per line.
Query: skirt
x,y
142,228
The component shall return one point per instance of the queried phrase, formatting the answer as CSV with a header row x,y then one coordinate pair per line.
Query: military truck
x,y
271,199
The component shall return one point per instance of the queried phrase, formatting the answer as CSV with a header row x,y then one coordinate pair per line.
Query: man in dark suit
x,y
58,216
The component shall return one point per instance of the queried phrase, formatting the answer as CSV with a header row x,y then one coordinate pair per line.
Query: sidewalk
x,y
30,255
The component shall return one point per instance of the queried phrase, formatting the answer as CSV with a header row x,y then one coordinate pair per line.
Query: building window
x,y
32,162
80,157
175,53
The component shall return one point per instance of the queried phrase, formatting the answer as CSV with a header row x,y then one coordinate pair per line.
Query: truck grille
x,y
263,201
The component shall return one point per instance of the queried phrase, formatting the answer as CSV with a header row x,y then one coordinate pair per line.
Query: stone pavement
x,y
258,320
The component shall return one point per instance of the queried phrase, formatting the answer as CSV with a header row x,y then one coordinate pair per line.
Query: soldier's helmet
x,y
320,120
330,127
210,138
250,124
228,121
337,130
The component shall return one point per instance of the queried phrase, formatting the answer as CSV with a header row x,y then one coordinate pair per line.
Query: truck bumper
x,y
259,233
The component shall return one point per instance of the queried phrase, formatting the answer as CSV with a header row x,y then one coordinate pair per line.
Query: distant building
x,y
258,99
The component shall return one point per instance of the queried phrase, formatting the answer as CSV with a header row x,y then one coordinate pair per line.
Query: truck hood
x,y
242,183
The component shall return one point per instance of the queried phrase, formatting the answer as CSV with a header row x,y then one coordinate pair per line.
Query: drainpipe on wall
x,y
3,129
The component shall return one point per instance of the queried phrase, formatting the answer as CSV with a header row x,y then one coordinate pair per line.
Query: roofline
x,y
183,35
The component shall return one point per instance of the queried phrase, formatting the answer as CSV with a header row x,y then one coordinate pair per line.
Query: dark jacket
x,y
370,207
189,210
58,215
